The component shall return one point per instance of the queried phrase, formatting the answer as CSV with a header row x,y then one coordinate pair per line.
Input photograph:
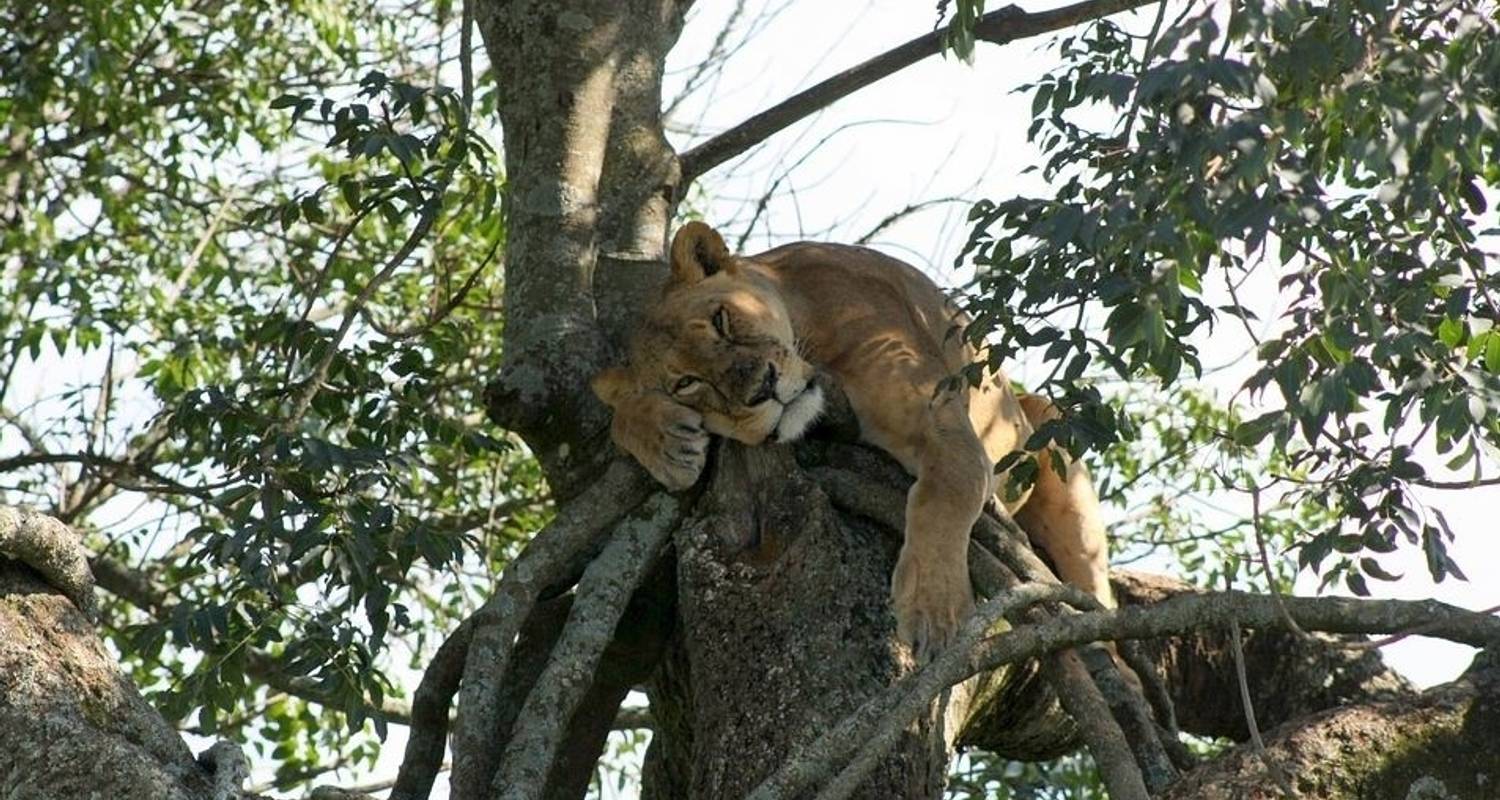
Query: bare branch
x,y
900,214
1081,698
873,730
428,739
1001,538
556,552
1003,25
602,594
1179,615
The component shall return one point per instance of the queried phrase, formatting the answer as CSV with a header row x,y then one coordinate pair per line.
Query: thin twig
x,y
896,216
447,308
1265,561
1249,708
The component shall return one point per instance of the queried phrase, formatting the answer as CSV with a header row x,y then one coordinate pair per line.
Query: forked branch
x,y
560,550
602,594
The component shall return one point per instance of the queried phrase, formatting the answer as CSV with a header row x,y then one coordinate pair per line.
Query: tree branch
x,y
556,552
872,731
423,758
997,556
52,549
602,594
1102,687
885,715
1000,26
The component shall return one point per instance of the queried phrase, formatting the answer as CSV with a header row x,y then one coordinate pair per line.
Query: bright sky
x,y
938,129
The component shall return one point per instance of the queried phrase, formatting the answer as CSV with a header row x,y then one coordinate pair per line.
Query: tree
x,y
312,436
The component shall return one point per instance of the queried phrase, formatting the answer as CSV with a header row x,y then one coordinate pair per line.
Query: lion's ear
x,y
698,251
612,384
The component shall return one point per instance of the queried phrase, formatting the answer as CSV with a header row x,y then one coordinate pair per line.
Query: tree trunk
x,y
71,725
782,614
783,629
591,187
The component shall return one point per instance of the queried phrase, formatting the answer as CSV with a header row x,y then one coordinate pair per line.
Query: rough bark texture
x,y
782,624
1289,675
1437,745
590,178
71,725
768,652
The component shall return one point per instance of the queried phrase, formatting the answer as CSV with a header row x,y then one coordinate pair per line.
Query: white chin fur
x,y
799,415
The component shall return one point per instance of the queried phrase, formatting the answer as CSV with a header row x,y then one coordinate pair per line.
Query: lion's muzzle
x,y
767,388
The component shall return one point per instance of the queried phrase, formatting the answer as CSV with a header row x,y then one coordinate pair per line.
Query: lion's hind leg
x,y
1062,515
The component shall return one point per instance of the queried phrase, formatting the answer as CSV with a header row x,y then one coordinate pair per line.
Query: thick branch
x,y
607,585
559,550
1083,694
428,738
1124,767
888,713
1003,25
1437,744
52,549
1291,674
866,735
1186,614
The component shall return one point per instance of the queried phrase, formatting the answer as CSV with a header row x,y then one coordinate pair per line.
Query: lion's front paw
x,y
683,449
932,598
669,441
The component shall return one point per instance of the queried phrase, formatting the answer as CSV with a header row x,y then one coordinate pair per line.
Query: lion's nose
x,y
767,388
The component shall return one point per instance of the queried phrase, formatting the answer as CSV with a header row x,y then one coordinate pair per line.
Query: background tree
x,y
278,242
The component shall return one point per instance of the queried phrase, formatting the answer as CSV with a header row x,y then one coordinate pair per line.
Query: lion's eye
x,y
684,383
721,322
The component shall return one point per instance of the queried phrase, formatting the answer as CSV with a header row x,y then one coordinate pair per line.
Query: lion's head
x,y
719,341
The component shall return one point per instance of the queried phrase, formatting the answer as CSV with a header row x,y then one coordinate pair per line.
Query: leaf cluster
x,y
1310,179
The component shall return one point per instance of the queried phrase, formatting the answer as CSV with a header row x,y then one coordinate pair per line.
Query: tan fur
x,y
889,336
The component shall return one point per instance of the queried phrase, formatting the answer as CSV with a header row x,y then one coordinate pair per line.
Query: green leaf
x,y
1250,433
1371,567
1436,552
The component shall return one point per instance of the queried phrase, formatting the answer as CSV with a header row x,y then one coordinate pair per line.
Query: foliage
x,y
280,264
1310,179
979,776
959,35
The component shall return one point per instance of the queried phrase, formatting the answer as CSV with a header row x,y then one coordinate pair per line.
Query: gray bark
x,y
766,653
783,629
591,183
1437,745
71,725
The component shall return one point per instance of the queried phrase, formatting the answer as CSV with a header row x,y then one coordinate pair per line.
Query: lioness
x,y
731,347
